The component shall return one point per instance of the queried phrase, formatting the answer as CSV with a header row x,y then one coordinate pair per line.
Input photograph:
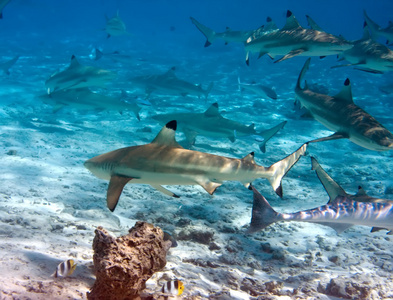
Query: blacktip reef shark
x,y
5,66
377,31
340,213
340,114
115,26
294,40
228,36
169,83
165,162
115,56
78,76
84,98
259,89
3,3
212,124
366,54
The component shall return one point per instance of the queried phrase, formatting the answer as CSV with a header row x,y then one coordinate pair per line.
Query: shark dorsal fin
x,y
251,126
361,191
346,92
74,62
332,188
366,32
170,72
167,135
212,111
270,25
249,158
312,24
291,23
227,29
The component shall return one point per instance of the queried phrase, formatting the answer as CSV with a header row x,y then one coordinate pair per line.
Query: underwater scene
x,y
196,149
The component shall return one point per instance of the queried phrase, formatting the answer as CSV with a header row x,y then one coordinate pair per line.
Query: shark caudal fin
x,y
206,31
262,213
374,27
281,168
208,90
302,73
268,134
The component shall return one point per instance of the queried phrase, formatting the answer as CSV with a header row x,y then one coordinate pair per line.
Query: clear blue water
x,y
51,147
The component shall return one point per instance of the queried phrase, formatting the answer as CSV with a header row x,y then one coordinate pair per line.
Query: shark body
x,y
340,114
3,3
368,55
227,36
259,89
5,66
169,83
78,76
165,162
377,31
341,212
294,40
212,124
83,98
115,26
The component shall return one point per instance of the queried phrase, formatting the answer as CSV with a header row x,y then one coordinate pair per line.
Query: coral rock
x,y
124,264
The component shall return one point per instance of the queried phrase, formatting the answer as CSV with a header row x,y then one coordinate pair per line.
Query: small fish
x,y
64,269
175,287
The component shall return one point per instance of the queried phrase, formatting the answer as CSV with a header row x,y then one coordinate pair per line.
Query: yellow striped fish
x,y
175,287
64,269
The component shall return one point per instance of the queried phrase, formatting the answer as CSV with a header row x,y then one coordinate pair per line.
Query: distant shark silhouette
x,y
78,76
227,36
3,3
259,89
115,56
294,40
169,83
340,213
115,26
212,124
83,98
5,66
340,114
377,31
165,162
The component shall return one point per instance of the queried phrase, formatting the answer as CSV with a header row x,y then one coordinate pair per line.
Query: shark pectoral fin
x,y
338,227
262,53
375,229
115,188
334,136
209,186
372,71
165,191
291,54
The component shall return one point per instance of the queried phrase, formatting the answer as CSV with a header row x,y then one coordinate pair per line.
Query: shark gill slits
x,y
347,82
172,125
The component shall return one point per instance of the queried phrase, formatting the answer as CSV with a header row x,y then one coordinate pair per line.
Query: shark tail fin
x,y
262,213
302,73
268,134
281,168
206,31
374,27
209,88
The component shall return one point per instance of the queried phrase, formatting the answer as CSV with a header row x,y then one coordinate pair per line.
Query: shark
x,y
115,56
3,3
340,213
165,162
115,26
340,114
212,124
169,83
78,76
259,89
377,31
228,36
294,40
84,98
368,55
5,66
